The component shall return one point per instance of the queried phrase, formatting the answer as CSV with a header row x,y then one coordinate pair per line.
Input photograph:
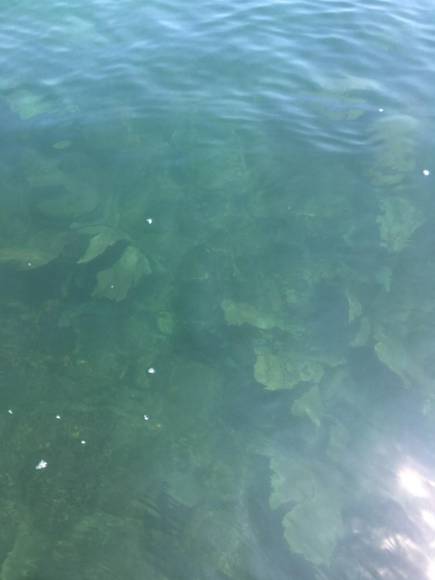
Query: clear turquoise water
x,y
240,198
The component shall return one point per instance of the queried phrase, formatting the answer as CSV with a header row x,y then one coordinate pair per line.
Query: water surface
x,y
217,306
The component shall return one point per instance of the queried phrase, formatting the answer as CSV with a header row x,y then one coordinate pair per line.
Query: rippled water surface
x,y
217,305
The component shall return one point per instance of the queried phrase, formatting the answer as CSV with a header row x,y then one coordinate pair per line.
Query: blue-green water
x,y
217,290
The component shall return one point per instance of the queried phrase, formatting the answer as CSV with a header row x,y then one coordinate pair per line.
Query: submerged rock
x,y
27,104
66,204
398,221
115,282
288,370
59,192
394,353
345,98
239,313
33,252
309,406
396,138
61,145
101,239
312,522
166,322
313,528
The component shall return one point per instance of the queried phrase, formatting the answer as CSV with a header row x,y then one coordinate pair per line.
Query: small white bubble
x,y
112,286
29,264
426,172
381,110
41,465
10,412
58,417
146,418
149,221
83,442
151,371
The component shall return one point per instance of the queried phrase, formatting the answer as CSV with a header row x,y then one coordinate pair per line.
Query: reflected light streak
x,y
421,509
431,570
393,542
428,518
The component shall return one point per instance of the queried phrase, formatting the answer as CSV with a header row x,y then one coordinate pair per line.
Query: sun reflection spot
x,y
412,482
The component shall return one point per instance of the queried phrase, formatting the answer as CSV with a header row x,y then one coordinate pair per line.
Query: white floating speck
x,y
10,412
41,465
149,221
83,442
58,417
29,264
146,418
381,110
112,286
151,371
426,172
